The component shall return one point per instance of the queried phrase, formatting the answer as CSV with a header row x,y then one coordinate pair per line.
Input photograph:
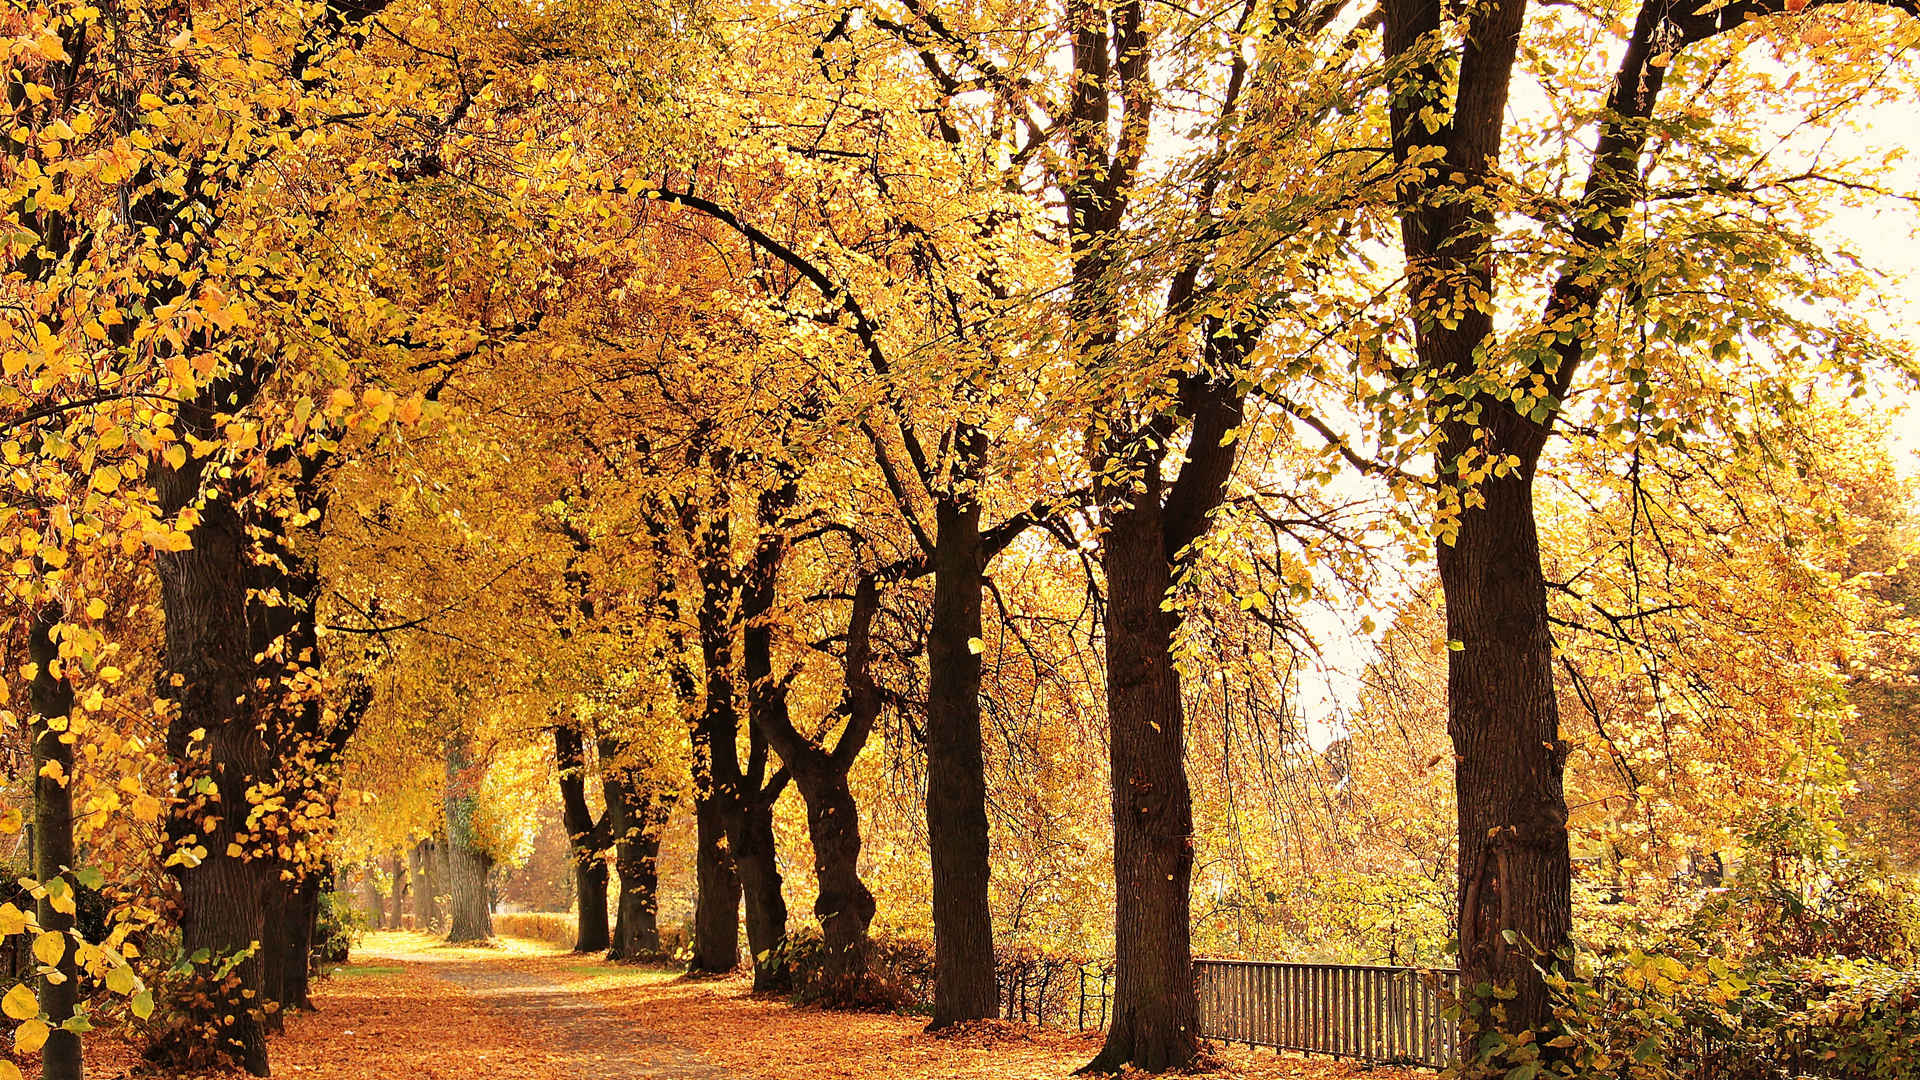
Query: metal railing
x,y
1374,1014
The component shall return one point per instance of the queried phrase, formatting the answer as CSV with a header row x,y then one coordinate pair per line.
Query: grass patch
x,y
347,971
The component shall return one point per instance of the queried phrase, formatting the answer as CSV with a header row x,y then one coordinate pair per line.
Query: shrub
x,y
556,928
1634,1016
337,929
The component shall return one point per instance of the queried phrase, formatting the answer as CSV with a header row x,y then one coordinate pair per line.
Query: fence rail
x,y
1374,1014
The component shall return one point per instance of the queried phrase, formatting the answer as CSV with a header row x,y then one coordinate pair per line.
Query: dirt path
x,y
546,1013
587,1038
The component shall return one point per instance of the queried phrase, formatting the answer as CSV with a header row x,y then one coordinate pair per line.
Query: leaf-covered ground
x,y
409,1007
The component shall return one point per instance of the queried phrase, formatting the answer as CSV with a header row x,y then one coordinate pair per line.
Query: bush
x,y
1634,1016
337,929
556,928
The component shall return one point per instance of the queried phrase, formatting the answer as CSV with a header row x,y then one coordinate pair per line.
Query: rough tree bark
x,y
588,838
635,815
217,739
470,916
964,984
52,701
397,878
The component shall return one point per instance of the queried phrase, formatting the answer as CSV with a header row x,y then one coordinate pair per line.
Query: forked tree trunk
x,y
845,905
52,701
1154,1009
964,985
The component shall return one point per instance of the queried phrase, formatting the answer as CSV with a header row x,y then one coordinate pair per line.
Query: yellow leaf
x,y
121,980
50,948
106,479
20,1004
9,1071
96,608
31,1036
12,920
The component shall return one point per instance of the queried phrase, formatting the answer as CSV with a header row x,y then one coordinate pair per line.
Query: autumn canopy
x,y
983,510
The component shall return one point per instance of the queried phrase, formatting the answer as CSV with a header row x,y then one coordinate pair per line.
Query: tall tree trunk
x,y
751,836
373,900
471,913
716,908
587,838
219,747
52,701
964,986
441,862
1515,867
715,734
635,816
1155,1014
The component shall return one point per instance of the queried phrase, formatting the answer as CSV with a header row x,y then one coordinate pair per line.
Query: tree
x,y
1492,402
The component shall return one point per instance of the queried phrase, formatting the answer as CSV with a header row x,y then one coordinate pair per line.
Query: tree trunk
x,y
218,743
374,900
715,735
273,955
426,904
753,853
1515,867
845,906
471,914
1154,1008
397,911
635,815
303,911
716,909
587,838
52,700
964,986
